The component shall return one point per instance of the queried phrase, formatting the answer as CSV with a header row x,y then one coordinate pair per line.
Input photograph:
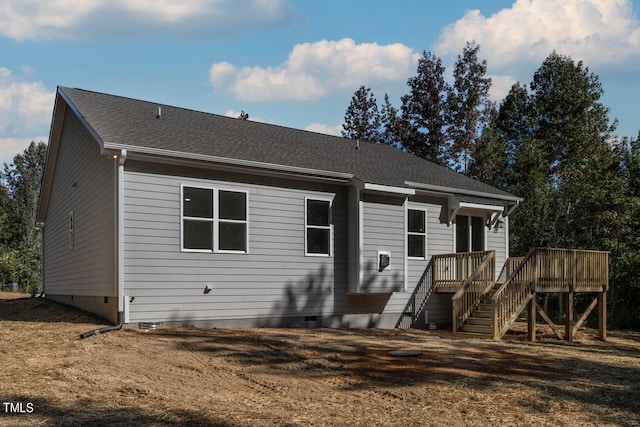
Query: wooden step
x,y
483,313
485,321
478,329
483,306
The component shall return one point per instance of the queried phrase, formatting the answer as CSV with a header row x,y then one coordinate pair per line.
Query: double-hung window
x,y
214,220
317,227
416,233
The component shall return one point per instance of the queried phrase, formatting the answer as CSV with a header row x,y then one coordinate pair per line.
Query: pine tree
x,y
574,131
490,163
388,124
466,100
362,119
421,126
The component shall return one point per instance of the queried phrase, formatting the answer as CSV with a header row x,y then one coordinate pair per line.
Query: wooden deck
x,y
451,270
487,306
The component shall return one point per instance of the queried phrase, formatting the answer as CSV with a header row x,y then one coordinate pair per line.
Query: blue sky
x,y
292,63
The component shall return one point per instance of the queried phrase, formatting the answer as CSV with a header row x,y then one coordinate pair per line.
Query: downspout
x,y
116,327
119,255
120,234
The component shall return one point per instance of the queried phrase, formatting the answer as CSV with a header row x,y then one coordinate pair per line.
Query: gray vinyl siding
x,y
273,281
383,230
496,240
439,241
84,184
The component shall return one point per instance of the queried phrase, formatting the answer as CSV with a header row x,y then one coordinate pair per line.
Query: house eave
x,y
451,190
156,155
62,103
389,189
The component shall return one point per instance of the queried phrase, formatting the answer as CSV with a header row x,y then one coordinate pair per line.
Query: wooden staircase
x,y
487,308
480,323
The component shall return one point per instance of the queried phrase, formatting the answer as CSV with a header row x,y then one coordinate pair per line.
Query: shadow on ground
x,y
480,365
86,412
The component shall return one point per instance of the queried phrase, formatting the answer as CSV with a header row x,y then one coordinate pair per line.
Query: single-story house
x,y
162,214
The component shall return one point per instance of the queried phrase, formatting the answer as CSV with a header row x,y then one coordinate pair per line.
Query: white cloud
x,y
322,128
500,86
9,147
595,31
25,113
313,70
95,19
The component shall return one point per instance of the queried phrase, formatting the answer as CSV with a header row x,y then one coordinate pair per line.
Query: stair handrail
x,y
509,267
467,298
510,297
419,297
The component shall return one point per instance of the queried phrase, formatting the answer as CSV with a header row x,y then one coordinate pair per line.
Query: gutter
x,y
144,152
451,190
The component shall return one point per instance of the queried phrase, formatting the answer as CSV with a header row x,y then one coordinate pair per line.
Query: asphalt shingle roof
x,y
124,121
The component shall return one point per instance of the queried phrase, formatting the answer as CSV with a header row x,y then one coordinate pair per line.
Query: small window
x,y
318,227
214,220
416,233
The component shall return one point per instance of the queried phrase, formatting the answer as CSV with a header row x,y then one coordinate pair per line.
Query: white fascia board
x,y
452,190
479,206
389,189
135,150
84,122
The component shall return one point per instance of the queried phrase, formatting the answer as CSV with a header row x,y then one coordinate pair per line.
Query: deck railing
x,y
508,268
451,270
467,298
568,269
510,297
547,270
414,309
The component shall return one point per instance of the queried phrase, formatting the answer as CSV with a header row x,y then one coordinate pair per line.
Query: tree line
x,y
20,238
550,141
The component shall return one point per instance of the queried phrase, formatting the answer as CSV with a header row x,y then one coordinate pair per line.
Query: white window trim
x,y
330,227
408,233
215,220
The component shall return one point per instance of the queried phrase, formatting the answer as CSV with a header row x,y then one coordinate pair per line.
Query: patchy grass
x,y
306,377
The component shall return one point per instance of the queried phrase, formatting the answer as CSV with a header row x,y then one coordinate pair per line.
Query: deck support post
x,y
602,315
568,323
531,317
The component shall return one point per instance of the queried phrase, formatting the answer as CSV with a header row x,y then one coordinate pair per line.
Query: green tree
x,y
21,237
466,100
421,125
362,119
490,162
575,133
624,294
389,124
565,162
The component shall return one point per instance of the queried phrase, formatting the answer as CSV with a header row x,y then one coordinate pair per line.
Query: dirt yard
x,y
310,377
